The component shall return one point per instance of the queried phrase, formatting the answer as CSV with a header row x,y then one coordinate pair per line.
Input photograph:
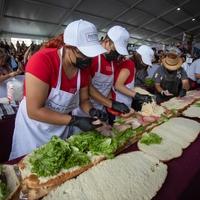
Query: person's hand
x,y
84,123
182,92
19,70
142,98
12,74
129,114
166,93
99,114
120,107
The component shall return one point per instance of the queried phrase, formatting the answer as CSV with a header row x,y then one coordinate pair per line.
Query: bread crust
x,y
13,182
34,189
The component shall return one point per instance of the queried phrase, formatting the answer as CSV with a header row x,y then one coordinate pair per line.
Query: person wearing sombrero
x,y
170,78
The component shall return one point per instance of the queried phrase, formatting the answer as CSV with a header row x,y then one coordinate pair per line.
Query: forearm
x,y
4,77
96,95
124,90
197,76
86,106
185,84
46,115
159,89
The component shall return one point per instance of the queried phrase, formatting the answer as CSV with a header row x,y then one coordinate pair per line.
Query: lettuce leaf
x,y
197,104
77,159
149,82
3,186
106,146
3,190
119,120
94,142
123,137
50,158
151,138
1,169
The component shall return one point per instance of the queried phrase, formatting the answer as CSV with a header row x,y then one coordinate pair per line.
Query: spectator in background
x,y
161,55
6,71
7,47
154,50
18,58
155,65
188,61
33,48
18,46
193,73
23,45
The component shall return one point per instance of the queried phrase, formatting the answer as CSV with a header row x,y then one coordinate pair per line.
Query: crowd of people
x,y
75,79
14,59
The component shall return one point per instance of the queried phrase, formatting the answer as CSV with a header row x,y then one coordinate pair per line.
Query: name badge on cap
x,y
91,37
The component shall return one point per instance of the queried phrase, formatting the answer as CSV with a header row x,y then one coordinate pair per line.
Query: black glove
x,y
142,98
84,123
182,92
120,107
103,116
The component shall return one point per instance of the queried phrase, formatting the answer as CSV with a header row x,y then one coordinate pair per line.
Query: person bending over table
x,y
170,78
56,81
102,72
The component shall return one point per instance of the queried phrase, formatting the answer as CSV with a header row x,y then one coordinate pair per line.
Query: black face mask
x,y
113,55
82,63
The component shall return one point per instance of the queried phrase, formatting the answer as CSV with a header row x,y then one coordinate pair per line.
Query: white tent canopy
x,y
150,21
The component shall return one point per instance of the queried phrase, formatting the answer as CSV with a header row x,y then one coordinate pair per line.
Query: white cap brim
x,y
92,51
121,49
146,59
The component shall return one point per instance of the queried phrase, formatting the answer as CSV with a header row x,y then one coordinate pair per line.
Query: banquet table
x,y
183,179
6,133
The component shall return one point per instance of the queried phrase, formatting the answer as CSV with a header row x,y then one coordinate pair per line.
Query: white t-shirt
x,y
186,66
193,69
151,69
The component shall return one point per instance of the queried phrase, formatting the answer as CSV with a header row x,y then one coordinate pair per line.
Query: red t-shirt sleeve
x,y
39,66
130,65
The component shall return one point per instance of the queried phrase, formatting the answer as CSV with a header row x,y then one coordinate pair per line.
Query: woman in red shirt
x,y
56,83
124,78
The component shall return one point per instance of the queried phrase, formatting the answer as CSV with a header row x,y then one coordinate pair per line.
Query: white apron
x,y
122,97
103,83
30,134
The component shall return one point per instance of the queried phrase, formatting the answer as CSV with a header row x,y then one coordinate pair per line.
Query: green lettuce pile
x,y
94,143
78,150
54,156
123,137
3,187
149,82
150,138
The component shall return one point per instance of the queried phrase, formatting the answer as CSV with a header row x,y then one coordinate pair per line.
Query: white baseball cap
x,y
83,35
120,37
146,53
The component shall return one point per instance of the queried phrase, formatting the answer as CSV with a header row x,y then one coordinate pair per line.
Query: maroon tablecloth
x,y
183,179
182,182
6,132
